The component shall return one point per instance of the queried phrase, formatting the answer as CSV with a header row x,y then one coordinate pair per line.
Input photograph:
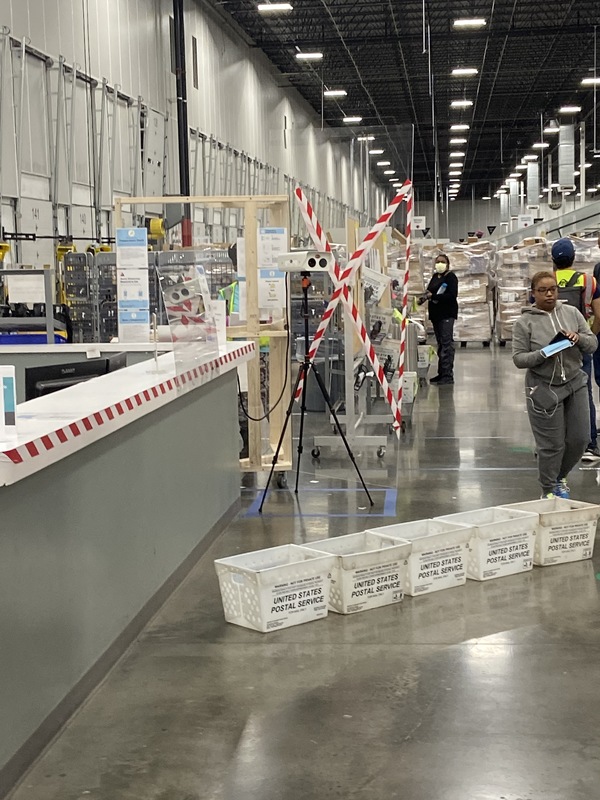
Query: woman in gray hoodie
x,y
555,386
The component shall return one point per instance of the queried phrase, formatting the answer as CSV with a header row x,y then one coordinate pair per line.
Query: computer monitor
x,y
40,381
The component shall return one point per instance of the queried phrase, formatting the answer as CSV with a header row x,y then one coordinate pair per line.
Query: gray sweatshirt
x,y
536,328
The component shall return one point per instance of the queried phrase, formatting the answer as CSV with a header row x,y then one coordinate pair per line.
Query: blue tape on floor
x,y
389,504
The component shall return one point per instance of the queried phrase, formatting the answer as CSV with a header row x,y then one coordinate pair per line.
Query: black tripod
x,y
305,368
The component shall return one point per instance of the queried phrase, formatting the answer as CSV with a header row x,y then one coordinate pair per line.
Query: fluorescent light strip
x,y
459,127
335,93
472,22
459,72
486,198
540,145
590,82
458,141
383,163
365,139
309,56
457,154
456,164
515,175
267,8
569,110
389,172
352,120
461,104
551,130
376,152
530,158
455,173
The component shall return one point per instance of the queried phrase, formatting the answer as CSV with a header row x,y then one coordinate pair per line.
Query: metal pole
x,y
182,119
49,298
582,163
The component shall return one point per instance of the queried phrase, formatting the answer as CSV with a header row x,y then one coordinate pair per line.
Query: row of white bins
x,y
282,586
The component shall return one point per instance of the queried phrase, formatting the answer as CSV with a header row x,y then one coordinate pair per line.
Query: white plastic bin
x,y
566,529
276,588
501,543
438,555
369,572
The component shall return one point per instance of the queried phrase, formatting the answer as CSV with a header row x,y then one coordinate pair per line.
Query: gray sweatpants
x,y
560,437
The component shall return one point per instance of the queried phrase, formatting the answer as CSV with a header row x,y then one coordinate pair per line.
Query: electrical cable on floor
x,y
287,359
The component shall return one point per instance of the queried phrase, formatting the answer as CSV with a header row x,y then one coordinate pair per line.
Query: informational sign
x,y
425,231
133,301
271,288
524,220
419,223
8,403
271,243
219,310
491,229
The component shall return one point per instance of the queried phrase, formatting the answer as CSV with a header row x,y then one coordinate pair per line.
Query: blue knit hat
x,y
563,253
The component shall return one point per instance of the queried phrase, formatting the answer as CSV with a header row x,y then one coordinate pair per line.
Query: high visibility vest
x,y
586,284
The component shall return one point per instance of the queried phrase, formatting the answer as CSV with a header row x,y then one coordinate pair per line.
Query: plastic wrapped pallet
x,y
473,323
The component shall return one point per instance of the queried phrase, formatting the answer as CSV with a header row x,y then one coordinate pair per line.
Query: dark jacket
x,y
443,306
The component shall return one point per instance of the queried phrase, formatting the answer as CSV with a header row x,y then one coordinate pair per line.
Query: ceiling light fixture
x,y
515,175
309,56
469,22
486,198
540,145
455,172
393,180
521,166
587,165
335,93
383,163
458,141
569,110
459,127
592,189
365,139
460,72
555,185
352,120
576,173
457,154
590,82
461,104
389,172
376,152
266,8
455,164
530,158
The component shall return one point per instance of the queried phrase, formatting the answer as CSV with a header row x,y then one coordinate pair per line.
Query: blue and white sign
x,y
133,299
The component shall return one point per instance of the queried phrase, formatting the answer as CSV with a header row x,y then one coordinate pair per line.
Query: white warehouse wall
x,y
240,99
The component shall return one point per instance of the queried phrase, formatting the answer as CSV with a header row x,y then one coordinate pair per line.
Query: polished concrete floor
x,y
483,692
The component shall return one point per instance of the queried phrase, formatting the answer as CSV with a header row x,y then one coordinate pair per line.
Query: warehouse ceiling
x,y
530,57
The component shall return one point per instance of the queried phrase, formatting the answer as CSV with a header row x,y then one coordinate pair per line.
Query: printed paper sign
x,y
271,288
419,223
271,243
133,300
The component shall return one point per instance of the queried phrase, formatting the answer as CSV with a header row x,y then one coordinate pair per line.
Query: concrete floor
x,y
484,692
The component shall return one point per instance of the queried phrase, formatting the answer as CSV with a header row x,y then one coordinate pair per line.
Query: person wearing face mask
x,y
442,293
555,383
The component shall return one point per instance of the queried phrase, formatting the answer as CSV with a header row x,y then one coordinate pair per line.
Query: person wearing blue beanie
x,y
582,291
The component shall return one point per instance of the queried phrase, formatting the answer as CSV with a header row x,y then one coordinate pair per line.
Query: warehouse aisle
x,y
484,692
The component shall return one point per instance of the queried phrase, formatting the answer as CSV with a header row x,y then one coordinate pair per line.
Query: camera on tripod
x,y
306,261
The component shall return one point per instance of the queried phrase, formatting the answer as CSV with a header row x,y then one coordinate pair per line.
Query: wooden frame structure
x,y
278,208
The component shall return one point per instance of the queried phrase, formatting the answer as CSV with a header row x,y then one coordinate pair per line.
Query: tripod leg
x,y
305,369
288,414
327,399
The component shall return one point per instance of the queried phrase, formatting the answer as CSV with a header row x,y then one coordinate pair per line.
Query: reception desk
x,y
108,496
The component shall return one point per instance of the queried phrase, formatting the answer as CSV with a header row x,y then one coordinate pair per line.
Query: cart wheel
x,y
282,481
315,452
380,452
502,343
486,344
403,427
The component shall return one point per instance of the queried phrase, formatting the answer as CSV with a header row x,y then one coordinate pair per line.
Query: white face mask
x,y
441,267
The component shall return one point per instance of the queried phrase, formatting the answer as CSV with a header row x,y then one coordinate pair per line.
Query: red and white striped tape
x,y
180,383
320,241
401,361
